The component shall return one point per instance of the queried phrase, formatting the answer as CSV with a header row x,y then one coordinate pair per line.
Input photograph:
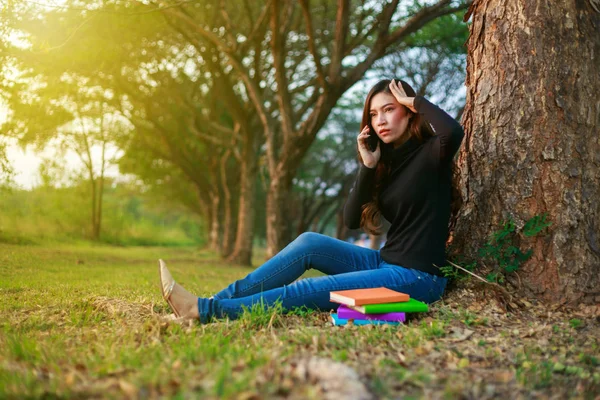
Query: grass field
x,y
87,321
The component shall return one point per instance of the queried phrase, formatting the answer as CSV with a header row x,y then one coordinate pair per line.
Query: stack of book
x,y
375,306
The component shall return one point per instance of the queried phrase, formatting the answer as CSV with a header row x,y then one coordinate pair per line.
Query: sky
x,y
26,161
26,164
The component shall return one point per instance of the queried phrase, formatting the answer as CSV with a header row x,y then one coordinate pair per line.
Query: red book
x,y
359,297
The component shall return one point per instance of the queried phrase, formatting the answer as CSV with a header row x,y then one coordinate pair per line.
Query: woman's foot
x,y
183,303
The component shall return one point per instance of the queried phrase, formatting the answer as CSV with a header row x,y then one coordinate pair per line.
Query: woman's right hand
x,y
370,158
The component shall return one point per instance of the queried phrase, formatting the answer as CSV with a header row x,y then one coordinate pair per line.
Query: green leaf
x,y
535,225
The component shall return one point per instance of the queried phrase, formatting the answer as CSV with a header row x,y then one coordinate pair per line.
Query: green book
x,y
411,305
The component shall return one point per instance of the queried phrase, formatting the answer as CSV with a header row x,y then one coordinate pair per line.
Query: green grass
x,y
88,320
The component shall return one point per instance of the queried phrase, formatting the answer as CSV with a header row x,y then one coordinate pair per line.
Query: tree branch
x,y
282,95
421,18
339,40
251,87
311,44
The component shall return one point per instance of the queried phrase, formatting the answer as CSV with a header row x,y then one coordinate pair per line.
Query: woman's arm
x,y
447,128
361,194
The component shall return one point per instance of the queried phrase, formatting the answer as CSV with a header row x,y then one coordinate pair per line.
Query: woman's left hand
x,y
401,97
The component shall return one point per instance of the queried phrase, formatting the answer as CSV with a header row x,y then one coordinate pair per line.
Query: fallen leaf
x,y
503,376
402,359
70,378
458,334
127,388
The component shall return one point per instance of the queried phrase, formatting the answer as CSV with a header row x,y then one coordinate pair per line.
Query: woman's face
x,y
389,119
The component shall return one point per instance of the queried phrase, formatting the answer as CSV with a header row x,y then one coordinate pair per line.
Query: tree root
x,y
508,301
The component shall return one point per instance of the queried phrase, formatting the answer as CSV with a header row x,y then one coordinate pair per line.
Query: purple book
x,y
348,313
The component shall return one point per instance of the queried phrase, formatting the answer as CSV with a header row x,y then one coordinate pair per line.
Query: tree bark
x,y
228,223
341,230
242,252
278,227
532,139
95,234
214,229
100,186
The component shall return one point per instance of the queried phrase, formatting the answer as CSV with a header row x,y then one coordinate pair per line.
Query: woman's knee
x,y
309,238
308,241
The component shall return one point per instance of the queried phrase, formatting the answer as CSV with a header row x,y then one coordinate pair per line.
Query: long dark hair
x,y
418,128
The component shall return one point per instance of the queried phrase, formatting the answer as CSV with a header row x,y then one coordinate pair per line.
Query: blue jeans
x,y
347,267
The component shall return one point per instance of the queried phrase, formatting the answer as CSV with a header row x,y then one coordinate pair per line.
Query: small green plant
x,y
470,319
302,311
555,328
589,360
506,255
454,273
502,250
260,315
536,224
433,329
575,323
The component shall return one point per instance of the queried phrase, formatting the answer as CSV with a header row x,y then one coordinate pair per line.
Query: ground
x,y
88,321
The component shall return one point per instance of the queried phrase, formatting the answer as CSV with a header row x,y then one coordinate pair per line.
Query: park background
x,y
212,133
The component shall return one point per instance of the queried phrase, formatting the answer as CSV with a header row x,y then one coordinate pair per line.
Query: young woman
x,y
405,176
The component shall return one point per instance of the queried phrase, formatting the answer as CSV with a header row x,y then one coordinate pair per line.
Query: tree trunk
x,y
95,228
278,226
242,252
341,231
228,225
214,222
532,139
98,226
100,190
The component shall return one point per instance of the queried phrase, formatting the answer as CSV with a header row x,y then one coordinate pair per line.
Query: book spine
x,y
381,300
343,321
346,312
382,308
409,306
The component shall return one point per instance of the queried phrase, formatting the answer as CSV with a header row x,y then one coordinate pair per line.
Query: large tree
x,y
532,138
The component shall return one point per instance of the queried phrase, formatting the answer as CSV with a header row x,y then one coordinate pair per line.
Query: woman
x,y
406,178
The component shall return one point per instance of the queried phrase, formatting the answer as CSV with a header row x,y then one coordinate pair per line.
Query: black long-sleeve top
x,y
415,197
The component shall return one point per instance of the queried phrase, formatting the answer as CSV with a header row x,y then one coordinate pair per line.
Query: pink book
x,y
347,313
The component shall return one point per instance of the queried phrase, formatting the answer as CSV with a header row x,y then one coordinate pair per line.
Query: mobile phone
x,y
373,139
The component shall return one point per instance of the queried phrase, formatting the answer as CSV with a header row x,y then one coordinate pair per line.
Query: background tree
x,y
531,145
324,178
75,117
6,171
84,136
